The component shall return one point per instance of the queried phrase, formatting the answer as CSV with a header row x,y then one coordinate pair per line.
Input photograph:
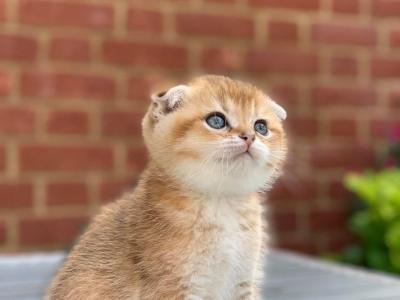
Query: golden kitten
x,y
192,228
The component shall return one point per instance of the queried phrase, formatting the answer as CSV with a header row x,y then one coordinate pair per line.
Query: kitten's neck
x,y
167,201
159,184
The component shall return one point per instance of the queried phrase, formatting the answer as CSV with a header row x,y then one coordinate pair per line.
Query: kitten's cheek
x,y
260,153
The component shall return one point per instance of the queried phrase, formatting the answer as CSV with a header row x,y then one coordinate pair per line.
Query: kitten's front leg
x,y
246,291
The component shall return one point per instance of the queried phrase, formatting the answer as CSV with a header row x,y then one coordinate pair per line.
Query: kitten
x,y
192,228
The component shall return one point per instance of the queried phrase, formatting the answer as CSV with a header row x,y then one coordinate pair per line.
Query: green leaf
x,y
353,255
368,228
392,236
378,258
377,224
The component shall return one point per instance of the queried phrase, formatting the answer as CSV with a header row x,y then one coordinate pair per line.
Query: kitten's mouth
x,y
244,154
241,155
236,153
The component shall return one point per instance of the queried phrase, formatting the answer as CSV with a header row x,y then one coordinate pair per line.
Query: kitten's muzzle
x,y
248,138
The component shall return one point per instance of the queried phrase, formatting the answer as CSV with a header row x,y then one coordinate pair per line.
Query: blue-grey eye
x,y
216,120
261,127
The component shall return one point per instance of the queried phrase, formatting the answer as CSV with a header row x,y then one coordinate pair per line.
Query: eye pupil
x,y
261,127
216,121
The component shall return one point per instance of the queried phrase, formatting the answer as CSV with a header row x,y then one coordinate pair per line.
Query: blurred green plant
x,y
377,222
392,156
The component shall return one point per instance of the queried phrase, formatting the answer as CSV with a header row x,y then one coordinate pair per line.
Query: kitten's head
x,y
217,135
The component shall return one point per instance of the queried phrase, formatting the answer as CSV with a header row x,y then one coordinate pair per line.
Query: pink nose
x,y
248,138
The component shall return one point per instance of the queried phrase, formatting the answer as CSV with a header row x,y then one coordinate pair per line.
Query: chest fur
x,y
226,242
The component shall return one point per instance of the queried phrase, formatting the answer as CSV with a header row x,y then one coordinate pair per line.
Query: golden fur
x,y
192,228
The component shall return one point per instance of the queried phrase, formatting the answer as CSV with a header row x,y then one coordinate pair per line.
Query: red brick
x,y
65,13
336,190
395,38
335,33
41,84
328,220
301,245
394,99
299,190
336,244
5,84
386,8
346,6
145,20
39,231
70,53
16,120
119,123
300,126
148,55
283,221
282,62
384,128
15,195
282,31
221,59
342,156
137,158
65,158
385,67
344,65
3,232
70,49
139,88
111,190
2,15
289,4
2,158
69,122
285,94
17,48
67,193
222,1
213,25
343,96
343,128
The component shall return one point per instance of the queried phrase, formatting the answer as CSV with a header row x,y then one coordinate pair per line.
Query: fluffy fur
x,y
192,228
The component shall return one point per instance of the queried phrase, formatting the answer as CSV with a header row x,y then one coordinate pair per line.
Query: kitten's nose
x,y
248,138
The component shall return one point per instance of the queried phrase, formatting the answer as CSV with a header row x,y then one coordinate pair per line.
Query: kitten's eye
x,y
261,127
216,120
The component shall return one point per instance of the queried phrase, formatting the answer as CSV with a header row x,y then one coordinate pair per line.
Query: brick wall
x,y
74,80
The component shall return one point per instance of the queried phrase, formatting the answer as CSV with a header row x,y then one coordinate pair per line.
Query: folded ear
x,y
279,110
168,101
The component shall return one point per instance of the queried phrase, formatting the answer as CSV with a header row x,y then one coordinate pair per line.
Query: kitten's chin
x,y
245,177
